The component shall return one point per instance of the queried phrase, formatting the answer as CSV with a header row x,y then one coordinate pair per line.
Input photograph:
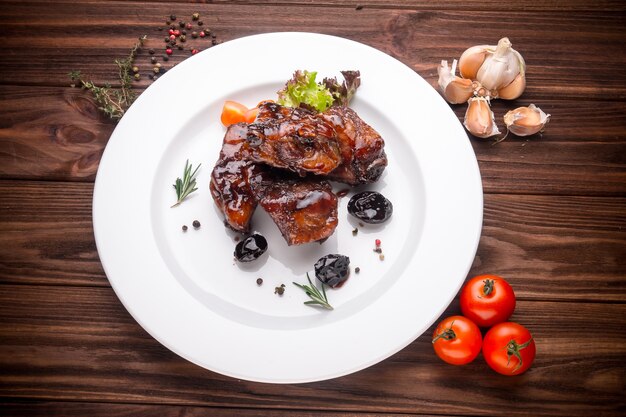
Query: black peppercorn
x,y
259,281
184,32
151,51
167,39
153,60
194,34
357,270
200,23
185,228
152,77
180,47
181,24
173,17
166,58
196,224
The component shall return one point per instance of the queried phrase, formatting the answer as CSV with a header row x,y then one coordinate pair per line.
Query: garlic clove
x,y
455,89
525,121
501,67
471,61
479,119
514,89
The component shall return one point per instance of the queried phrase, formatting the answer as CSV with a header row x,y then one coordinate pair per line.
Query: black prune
x,y
250,248
332,270
370,207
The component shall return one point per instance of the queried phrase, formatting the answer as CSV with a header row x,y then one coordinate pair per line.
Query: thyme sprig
x,y
187,185
317,298
113,102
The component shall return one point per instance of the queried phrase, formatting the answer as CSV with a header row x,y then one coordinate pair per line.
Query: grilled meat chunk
x,y
292,139
230,181
362,148
305,210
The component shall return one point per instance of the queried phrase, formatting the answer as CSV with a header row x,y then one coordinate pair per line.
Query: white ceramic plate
x,y
186,290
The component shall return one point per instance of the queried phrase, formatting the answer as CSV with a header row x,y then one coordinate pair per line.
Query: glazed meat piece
x,y
305,210
362,148
230,181
292,139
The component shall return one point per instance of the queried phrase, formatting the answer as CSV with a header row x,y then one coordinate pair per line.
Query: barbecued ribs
x,y
335,145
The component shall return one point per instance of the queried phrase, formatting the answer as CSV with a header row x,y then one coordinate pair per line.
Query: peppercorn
x,y
173,43
357,270
184,32
202,34
167,39
196,224
214,42
183,38
259,281
172,37
194,34
167,22
185,228
180,47
377,242
159,29
200,23
165,58
378,250
152,77
173,17
158,65
355,231
181,24
194,51
153,60
151,51
177,32
156,70
381,257
135,69
188,26
155,77
137,76
195,16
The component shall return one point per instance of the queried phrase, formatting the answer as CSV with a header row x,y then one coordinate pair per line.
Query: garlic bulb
x,y
455,89
525,121
499,69
479,119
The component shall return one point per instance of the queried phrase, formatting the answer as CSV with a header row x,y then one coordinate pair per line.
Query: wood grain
x,y
75,343
82,409
556,248
50,133
559,65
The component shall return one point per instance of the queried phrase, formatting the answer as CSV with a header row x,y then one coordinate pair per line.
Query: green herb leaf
x,y
187,185
317,298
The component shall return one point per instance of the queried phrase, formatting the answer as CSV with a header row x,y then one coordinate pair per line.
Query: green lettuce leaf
x,y
302,89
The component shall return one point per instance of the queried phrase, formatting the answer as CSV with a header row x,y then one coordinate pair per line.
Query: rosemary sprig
x,y
317,298
113,102
187,185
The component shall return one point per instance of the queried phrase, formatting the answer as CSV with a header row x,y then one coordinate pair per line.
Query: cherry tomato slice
x,y
233,112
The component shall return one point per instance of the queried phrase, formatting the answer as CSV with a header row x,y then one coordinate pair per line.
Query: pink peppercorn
x,y
168,51
194,51
173,37
202,34
377,241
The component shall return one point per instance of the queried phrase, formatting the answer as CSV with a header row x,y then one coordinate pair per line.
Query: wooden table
x,y
554,216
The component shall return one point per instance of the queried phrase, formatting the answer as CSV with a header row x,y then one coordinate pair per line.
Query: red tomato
x,y
250,115
457,340
233,112
487,300
509,348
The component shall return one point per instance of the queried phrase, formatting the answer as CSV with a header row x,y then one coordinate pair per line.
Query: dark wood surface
x,y
554,217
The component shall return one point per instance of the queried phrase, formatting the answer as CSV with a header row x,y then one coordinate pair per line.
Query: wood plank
x,y
79,344
82,409
486,5
53,133
559,65
557,248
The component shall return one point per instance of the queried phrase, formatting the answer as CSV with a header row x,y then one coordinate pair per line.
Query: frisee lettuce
x,y
303,91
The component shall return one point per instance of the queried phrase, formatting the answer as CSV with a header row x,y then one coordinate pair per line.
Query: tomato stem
x,y
488,287
513,349
447,334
